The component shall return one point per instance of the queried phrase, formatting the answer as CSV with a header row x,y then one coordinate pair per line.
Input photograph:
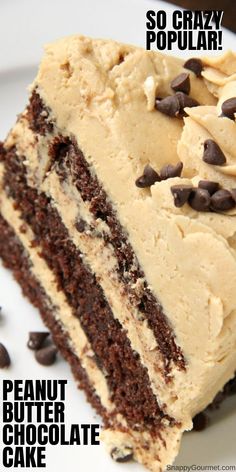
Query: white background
x,y
25,26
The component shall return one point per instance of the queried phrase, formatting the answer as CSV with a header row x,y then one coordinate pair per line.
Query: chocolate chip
x,y
200,199
213,154
36,339
181,194
229,108
208,185
222,200
80,225
170,171
181,83
149,177
195,65
168,106
46,355
233,193
200,422
185,101
124,454
5,360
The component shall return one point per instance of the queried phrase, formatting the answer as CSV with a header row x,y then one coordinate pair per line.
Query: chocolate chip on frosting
x,y
149,177
195,65
213,154
229,108
169,171
208,185
185,101
168,106
123,454
200,199
233,193
181,83
222,200
5,360
181,194
46,356
36,339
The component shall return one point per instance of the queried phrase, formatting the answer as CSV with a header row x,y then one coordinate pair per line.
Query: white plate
x,y
25,26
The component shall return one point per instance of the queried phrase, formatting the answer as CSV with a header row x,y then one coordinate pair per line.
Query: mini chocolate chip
x,y
200,199
208,185
229,108
170,170
46,355
222,200
181,194
195,65
185,101
168,106
233,193
200,422
80,225
124,454
5,360
149,177
213,154
36,339
181,83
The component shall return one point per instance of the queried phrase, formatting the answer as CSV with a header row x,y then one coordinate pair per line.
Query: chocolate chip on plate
x,y
46,355
229,108
168,105
200,421
36,339
124,454
181,194
200,199
149,177
168,171
222,200
5,360
185,101
181,83
195,65
212,153
208,185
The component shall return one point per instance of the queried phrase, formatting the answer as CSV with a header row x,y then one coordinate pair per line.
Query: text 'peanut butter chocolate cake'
x,y
118,220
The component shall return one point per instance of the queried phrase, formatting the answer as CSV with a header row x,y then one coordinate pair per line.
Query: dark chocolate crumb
x,y
195,65
181,194
229,108
213,154
200,199
200,421
208,185
222,200
168,106
181,83
36,339
149,177
169,171
5,360
122,455
46,355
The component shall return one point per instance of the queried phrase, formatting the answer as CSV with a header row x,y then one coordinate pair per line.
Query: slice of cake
x,y
118,220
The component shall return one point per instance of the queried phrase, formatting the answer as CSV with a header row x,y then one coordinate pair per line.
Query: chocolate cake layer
x,y
127,378
14,258
69,160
